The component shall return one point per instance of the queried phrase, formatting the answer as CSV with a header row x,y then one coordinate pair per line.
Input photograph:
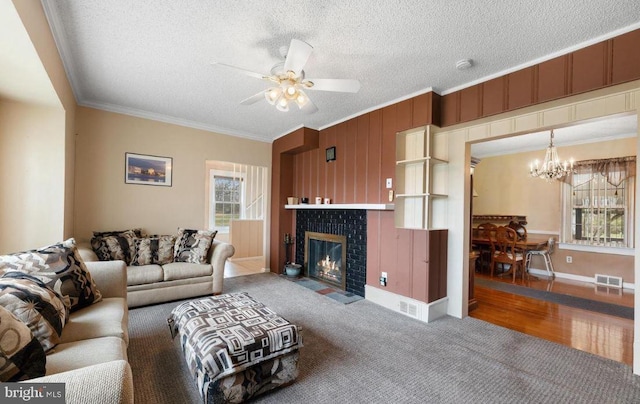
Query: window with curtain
x,y
599,203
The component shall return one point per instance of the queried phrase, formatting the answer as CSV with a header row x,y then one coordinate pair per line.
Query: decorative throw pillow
x,y
137,231
21,355
193,245
152,250
36,305
110,246
61,267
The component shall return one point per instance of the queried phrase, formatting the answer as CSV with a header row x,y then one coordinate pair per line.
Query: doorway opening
x,y
236,206
548,210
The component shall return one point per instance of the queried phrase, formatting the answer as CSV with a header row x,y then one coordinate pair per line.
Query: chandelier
x,y
551,168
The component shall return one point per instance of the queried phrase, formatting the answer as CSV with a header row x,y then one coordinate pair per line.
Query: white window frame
x,y
566,238
212,197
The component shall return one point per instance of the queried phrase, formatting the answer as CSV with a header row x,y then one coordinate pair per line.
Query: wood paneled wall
x,y
365,158
412,259
365,145
282,169
247,236
365,154
607,63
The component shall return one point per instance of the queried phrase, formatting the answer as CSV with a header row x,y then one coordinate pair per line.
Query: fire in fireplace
x,y
325,258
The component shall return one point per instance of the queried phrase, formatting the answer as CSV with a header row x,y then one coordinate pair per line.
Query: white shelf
x,y
421,195
420,178
342,206
432,160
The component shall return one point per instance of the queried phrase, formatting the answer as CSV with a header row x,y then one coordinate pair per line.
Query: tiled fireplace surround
x,y
351,223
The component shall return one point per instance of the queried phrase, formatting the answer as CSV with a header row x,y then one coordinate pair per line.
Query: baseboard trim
x,y
579,278
425,312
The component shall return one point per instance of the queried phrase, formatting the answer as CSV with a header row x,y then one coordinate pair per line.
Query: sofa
x,y
91,357
65,321
155,283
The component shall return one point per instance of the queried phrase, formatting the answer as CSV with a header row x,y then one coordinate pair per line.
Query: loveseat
x,y
154,283
91,358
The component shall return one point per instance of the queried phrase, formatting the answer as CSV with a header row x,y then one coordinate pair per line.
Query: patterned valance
x,y
615,170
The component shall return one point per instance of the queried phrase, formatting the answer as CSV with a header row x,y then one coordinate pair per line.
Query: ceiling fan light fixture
x,y
291,91
282,104
287,79
272,94
301,99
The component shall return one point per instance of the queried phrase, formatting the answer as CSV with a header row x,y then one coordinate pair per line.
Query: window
x,y
599,203
227,200
234,192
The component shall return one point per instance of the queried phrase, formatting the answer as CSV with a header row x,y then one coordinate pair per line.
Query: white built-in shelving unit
x,y
421,174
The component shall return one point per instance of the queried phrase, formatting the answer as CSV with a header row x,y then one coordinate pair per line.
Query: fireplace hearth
x,y
325,258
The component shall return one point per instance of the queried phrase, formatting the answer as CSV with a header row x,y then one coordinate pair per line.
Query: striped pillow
x,y
152,250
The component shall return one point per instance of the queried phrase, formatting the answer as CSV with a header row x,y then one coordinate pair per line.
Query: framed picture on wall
x,y
143,169
330,153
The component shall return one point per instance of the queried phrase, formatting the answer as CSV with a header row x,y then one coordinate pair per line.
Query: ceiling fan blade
x,y
297,56
340,85
247,72
253,99
309,107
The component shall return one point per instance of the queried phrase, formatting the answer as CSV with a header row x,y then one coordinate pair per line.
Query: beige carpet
x,y
363,353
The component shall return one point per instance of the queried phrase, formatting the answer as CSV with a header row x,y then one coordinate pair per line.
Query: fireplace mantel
x,y
363,206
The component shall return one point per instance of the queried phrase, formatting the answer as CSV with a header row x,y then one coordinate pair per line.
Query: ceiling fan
x,y
289,82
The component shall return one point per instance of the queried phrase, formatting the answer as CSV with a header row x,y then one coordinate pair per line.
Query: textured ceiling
x,y
152,58
601,130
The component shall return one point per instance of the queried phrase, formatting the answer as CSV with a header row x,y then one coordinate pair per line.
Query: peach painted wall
x,y
539,200
35,22
33,182
103,201
520,194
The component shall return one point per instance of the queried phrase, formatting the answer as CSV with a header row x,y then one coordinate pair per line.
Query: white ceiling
x,y
152,58
602,130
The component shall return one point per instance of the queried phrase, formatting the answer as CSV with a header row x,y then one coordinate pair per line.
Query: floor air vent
x,y
408,308
607,280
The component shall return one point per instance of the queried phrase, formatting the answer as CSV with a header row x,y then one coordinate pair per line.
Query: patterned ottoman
x,y
235,347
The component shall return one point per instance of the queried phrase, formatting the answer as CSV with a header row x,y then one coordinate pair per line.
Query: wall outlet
x,y
384,275
569,259
383,279
389,183
391,195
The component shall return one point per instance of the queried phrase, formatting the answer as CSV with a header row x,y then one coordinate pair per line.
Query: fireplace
x,y
349,223
325,258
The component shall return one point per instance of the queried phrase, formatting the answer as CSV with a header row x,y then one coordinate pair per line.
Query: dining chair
x,y
520,230
505,252
485,231
545,253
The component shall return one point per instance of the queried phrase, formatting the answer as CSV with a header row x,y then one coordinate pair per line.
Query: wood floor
x,y
600,334
244,266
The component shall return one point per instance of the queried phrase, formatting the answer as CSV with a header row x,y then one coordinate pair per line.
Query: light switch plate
x,y
389,183
390,195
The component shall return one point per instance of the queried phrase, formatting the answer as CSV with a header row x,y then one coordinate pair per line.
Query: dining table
x,y
531,242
